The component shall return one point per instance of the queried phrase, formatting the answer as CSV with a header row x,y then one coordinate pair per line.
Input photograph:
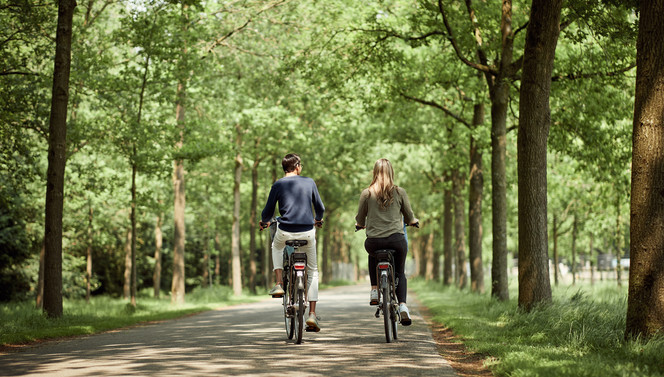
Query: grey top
x,y
383,222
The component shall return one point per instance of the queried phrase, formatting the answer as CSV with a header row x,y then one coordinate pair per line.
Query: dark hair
x,y
290,162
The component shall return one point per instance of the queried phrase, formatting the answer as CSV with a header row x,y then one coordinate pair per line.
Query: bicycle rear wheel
x,y
394,313
386,308
299,321
289,318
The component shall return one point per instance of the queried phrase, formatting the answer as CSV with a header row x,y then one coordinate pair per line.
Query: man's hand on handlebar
x,y
415,223
358,227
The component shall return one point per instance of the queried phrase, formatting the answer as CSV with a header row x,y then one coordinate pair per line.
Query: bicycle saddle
x,y
296,243
383,254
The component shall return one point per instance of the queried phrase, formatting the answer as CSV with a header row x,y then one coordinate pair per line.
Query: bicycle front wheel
x,y
386,308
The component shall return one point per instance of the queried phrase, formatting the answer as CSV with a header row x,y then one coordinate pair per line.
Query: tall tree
x,y
179,200
475,189
534,122
235,242
57,146
645,302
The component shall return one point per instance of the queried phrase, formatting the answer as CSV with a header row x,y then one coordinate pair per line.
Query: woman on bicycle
x,y
383,206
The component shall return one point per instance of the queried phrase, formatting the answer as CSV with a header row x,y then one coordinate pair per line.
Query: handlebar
x,y
262,225
416,225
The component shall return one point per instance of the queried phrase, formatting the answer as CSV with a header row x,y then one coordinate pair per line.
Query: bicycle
x,y
295,284
294,281
388,304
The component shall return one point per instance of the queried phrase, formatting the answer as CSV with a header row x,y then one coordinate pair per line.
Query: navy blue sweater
x,y
295,195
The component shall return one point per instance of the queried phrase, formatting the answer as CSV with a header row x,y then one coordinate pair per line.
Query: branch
x,y
226,36
438,106
230,33
391,33
574,76
450,37
7,73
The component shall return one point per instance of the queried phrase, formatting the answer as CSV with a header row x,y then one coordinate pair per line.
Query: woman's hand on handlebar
x,y
263,225
318,223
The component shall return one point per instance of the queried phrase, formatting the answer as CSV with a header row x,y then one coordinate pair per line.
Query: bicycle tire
x,y
289,321
394,313
300,315
386,307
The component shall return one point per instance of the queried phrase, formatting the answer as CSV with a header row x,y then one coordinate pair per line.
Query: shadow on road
x,y
248,340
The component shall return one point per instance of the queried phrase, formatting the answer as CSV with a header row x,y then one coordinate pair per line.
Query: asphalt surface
x,y
245,340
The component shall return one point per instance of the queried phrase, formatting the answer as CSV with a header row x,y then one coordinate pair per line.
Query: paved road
x,y
246,340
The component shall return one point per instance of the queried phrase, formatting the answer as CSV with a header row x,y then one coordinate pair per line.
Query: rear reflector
x,y
383,266
299,266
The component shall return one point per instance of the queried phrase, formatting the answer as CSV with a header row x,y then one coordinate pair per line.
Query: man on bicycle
x,y
295,195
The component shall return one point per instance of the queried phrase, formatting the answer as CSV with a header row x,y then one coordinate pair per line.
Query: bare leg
x,y
312,307
278,275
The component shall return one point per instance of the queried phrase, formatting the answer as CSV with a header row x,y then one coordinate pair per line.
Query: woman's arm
x,y
406,210
362,210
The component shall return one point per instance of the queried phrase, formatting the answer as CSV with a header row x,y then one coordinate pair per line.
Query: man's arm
x,y
268,211
319,208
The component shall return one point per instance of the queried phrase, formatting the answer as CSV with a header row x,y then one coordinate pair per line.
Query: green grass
x,y
22,323
581,334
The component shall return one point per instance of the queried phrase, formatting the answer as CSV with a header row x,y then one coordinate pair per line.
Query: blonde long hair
x,y
382,184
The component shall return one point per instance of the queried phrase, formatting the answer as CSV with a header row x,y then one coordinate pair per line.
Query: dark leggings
x,y
395,242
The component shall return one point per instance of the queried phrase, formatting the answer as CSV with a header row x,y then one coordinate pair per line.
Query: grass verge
x,y
21,323
581,334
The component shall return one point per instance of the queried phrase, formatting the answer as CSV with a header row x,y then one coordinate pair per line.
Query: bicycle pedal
x,y
377,313
312,329
277,296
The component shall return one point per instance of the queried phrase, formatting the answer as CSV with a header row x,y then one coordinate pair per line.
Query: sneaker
x,y
277,291
404,315
312,323
374,297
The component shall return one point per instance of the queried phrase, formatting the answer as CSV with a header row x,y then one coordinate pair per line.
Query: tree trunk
x,y
235,242
534,122
619,241
590,253
179,202
133,232
253,250
126,291
437,253
429,257
459,228
217,258
205,279
574,233
39,302
555,249
55,174
158,242
327,270
475,191
88,267
645,302
448,225
414,245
